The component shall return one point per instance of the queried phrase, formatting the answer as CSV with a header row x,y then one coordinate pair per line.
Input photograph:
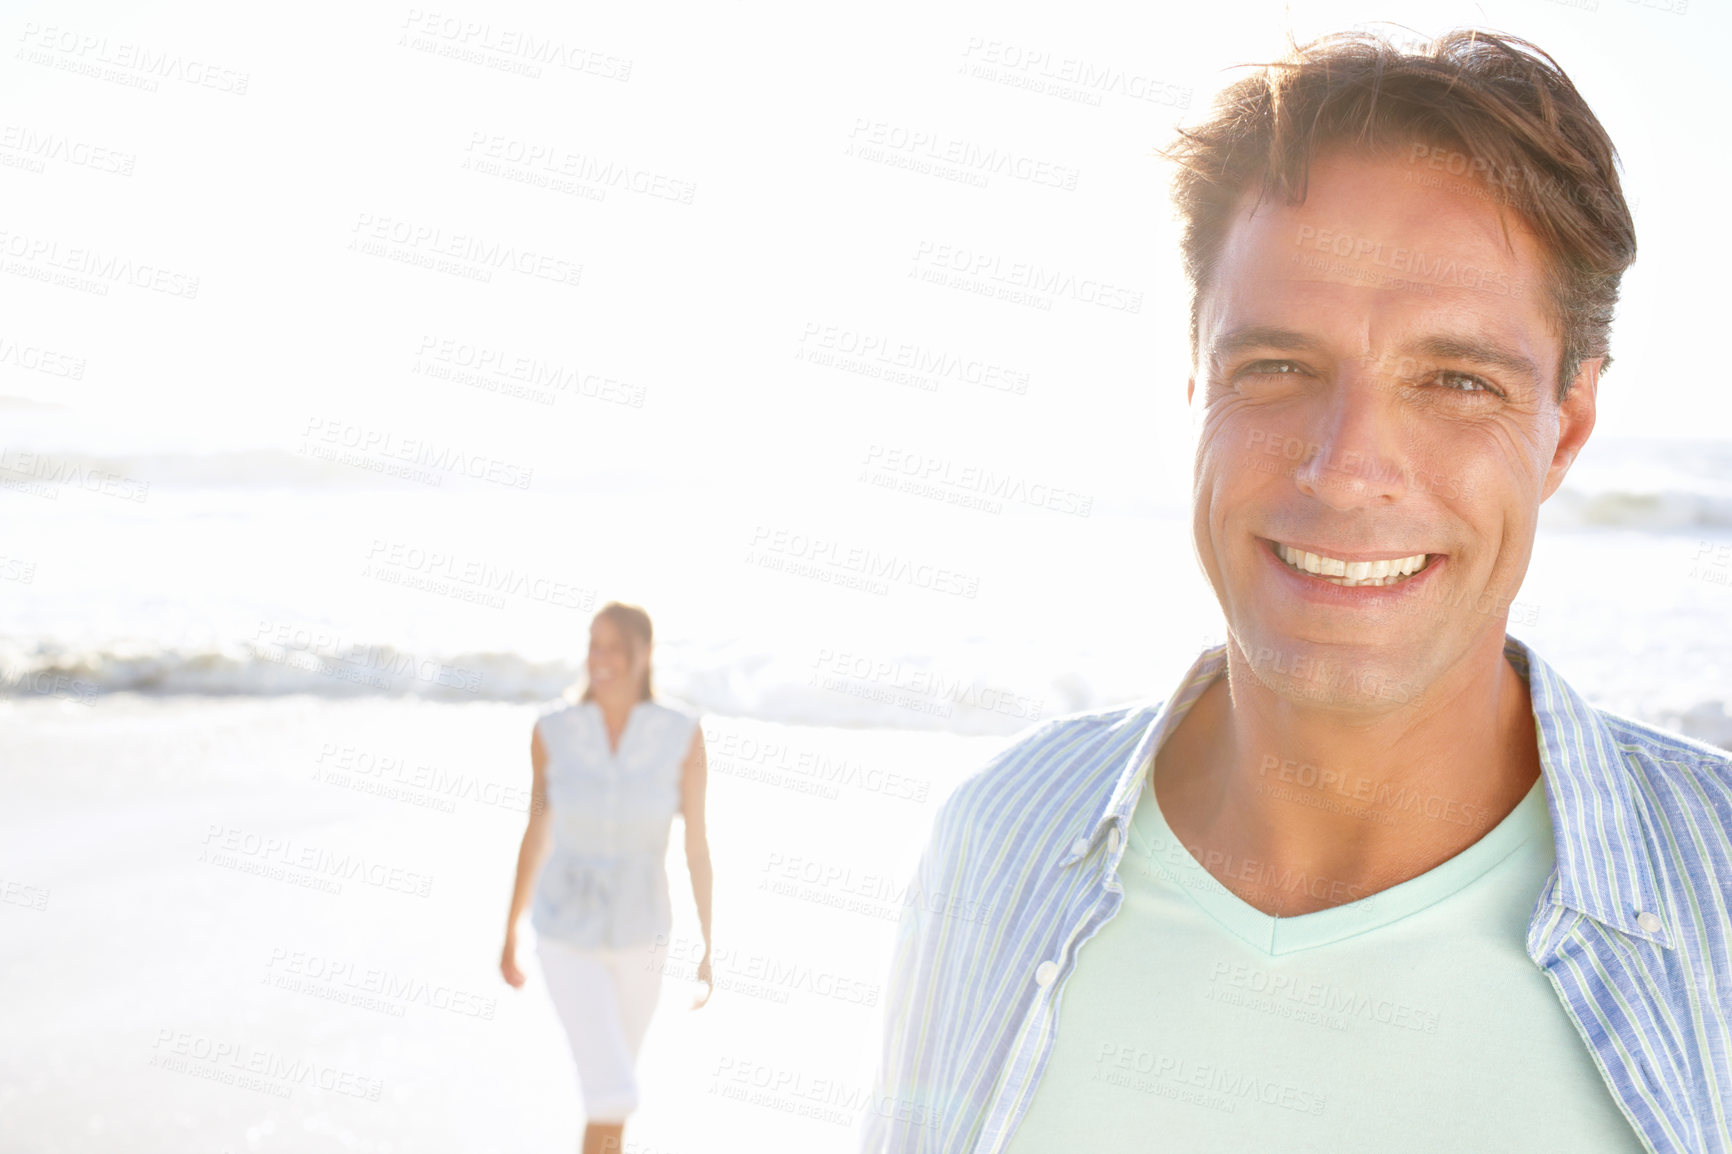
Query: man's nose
x,y
1356,456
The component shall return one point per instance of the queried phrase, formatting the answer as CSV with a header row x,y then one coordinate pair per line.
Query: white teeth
x,y
1353,573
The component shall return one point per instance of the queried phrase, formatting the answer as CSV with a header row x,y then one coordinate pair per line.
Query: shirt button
x,y
1045,973
1079,847
1113,840
1649,923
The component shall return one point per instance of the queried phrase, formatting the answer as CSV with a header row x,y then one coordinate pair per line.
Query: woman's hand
x,y
508,964
707,980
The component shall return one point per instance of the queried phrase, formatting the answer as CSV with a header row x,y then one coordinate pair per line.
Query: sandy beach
x,y
356,356
256,924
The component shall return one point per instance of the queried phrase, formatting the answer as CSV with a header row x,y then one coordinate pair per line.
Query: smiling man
x,y
1373,877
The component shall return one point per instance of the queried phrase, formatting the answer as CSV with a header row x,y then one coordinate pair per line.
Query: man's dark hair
x,y
1494,110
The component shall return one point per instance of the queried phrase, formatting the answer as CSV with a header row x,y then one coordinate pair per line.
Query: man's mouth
x,y
1383,571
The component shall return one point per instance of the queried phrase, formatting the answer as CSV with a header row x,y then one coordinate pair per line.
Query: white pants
x,y
605,999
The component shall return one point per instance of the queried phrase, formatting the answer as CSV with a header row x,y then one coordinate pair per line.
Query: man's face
x,y
1378,377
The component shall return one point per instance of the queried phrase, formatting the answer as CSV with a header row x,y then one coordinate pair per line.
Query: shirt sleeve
x,y
905,1108
945,964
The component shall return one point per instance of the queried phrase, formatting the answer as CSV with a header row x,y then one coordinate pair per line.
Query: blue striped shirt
x,y
1633,928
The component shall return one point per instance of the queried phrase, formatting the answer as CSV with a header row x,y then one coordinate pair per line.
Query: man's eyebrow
x,y
1439,347
1479,352
1257,337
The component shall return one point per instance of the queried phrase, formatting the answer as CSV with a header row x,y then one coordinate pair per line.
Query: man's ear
x,y
1190,388
1575,422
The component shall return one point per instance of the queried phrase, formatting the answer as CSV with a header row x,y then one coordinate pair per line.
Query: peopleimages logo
x,y
43,258
921,681
1067,77
1032,281
1423,268
1324,676
226,845
805,554
961,483
901,362
37,359
328,436
1383,798
929,151
1274,451
523,50
94,55
426,245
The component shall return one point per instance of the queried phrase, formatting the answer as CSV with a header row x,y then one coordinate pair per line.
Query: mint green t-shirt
x,y
1410,1020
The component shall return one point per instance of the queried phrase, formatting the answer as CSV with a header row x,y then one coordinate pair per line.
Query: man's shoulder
x,y
1667,751
1681,792
1051,771
1661,766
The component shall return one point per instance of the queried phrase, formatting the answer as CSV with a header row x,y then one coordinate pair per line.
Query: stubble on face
x,y
1377,375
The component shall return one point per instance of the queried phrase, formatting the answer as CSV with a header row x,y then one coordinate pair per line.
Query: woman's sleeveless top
x,y
605,882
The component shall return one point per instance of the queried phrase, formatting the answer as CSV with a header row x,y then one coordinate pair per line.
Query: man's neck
x,y
1297,808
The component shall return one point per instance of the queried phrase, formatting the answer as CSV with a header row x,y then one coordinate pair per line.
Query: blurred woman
x,y
612,767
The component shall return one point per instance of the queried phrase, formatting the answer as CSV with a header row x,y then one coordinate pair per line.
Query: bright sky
x,y
760,228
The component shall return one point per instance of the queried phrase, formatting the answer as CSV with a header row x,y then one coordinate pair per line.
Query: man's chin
x,y
1332,674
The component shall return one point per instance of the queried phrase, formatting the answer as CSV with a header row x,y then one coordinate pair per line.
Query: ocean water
x,y
268,571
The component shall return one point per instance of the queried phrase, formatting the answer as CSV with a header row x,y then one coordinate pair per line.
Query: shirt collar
x,y
1158,722
1604,869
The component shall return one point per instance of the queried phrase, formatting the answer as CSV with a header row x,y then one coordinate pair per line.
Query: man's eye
x,y
1467,383
1271,369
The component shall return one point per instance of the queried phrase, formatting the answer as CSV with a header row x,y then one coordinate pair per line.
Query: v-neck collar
x,y
1151,835
601,720
1605,866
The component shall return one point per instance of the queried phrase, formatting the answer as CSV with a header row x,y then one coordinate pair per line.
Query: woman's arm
x,y
530,858
693,781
